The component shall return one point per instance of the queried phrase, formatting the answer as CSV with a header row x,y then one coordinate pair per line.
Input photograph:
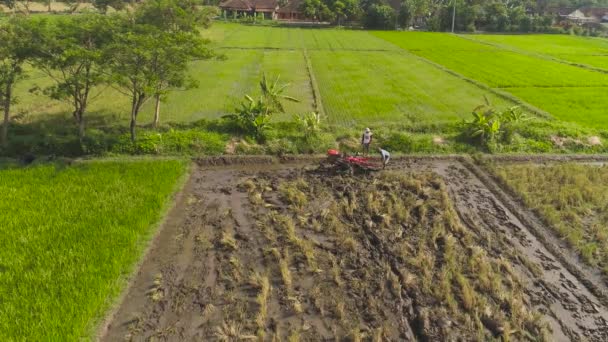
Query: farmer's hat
x,y
367,130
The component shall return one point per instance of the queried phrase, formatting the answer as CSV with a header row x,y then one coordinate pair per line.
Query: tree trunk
x,y
156,111
81,125
7,108
49,6
132,127
134,109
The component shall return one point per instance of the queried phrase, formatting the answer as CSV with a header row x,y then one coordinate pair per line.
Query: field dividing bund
x,y
422,251
70,236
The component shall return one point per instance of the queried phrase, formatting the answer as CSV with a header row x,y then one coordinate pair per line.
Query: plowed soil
x,y
427,250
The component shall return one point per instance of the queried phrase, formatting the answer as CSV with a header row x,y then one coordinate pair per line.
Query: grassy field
x,y
584,50
73,234
493,66
586,105
383,84
222,86
365,78
557,88
392,88
572,198
246,36
403,87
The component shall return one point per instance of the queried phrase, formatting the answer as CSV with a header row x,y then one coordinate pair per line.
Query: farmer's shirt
x,y
367,138
385,156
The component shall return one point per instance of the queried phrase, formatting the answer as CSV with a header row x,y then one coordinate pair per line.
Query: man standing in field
x,y
366,140
386,156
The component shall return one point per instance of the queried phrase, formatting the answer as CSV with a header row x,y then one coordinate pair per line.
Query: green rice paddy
x,y
69,236
376,77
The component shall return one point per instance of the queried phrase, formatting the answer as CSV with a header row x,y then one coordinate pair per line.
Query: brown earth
x,y
429,250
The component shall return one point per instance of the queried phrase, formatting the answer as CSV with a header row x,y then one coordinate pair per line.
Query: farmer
x,y
366,140
385,157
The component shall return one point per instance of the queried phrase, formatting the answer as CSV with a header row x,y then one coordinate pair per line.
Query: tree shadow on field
x,y
57,134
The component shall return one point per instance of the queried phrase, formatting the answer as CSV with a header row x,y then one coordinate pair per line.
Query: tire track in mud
x,y
575,313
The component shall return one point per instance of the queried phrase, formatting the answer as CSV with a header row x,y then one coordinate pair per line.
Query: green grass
x,y
495,67
222,86
394,87
586,106
276,37
571,198
569,93
584,50
344,40
363,78
69,236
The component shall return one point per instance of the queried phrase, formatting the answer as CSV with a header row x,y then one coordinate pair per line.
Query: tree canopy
x,y
144,54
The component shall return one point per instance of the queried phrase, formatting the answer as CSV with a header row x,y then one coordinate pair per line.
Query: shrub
x,y
309,123
319,143
254,116
172,142
399,142
281,146
490,127
380,17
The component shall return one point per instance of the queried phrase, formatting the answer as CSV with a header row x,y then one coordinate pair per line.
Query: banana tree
x,y
485,124
254,115
273,94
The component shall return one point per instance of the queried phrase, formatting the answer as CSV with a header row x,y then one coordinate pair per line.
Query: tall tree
x,y
70,53
14,52
182,18
103,5
380,17
170,64
147,62
173,15
316,10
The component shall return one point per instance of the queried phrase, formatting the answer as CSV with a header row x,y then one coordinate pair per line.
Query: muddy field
x,y
427,250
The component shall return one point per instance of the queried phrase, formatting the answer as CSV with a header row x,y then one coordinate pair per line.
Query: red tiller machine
x,y
340,163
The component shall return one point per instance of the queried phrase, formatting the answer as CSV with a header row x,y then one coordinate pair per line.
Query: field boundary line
x,y
272,48
177,197
590,277
534,54
316,93
502,94
264,48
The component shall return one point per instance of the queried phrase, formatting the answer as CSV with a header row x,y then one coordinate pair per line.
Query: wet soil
x,y
197,281
571,305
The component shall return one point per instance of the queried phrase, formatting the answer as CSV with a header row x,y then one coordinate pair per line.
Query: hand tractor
x,y
337,163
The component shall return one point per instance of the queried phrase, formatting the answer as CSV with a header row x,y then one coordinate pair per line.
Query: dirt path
x,y
219,253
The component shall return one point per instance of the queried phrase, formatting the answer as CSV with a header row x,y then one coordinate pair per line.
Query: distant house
x,y
291,11
578,17
240,8
584,15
